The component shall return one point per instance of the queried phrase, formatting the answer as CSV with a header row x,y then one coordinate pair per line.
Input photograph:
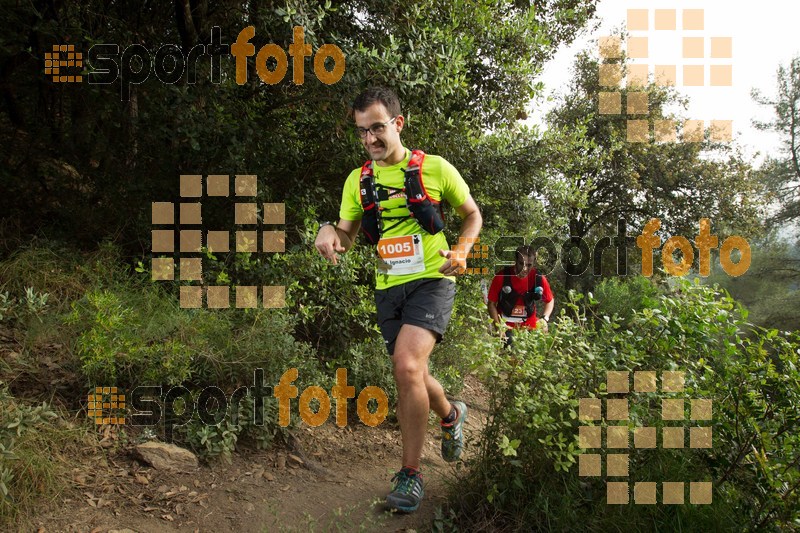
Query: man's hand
x,y
328,243
456,262
541,324
471,222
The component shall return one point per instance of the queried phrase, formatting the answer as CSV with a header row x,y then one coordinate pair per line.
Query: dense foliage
x,y
525,476
81,164
84,161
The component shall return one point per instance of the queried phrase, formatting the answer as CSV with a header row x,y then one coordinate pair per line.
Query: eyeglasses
x,y
375,129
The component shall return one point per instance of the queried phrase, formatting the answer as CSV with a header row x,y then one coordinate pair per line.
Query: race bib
x,y
517,315
402,255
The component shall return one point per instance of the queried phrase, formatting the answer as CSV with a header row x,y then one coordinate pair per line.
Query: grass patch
x,y
33,445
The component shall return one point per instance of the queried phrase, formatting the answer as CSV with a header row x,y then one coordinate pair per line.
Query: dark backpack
x,y
508,296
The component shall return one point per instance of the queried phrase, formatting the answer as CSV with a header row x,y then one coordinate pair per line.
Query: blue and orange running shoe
x,y
453,434
407,491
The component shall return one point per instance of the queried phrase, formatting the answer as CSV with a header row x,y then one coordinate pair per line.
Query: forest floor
x,y
333,479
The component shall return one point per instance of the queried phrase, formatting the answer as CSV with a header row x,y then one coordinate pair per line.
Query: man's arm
x,y
340,238
547,293
471,223
493,311
548,309
493,297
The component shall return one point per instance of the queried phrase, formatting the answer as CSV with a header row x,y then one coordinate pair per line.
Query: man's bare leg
x,y
438,400
417,390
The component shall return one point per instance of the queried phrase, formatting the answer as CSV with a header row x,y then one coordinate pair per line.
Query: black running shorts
x,y
426,303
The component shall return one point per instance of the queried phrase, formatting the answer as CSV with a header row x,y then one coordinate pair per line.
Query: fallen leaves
x,y
96,501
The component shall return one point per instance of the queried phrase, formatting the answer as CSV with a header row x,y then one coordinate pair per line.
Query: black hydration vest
x,y
508,297
424,209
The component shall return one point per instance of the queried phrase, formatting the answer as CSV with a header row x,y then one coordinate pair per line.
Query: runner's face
x,y
524,265
385,147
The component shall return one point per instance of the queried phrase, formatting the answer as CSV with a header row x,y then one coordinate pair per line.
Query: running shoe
x,y
406,492
453,434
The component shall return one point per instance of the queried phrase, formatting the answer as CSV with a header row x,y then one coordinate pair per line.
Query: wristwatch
x,y
326,223
545,319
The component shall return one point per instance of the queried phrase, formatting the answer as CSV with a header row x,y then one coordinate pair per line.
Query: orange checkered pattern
x,y
618,437
61,58
478,251
192,240
106,405
695,48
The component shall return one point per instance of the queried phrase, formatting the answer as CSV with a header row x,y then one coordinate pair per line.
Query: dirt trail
x,y
261,491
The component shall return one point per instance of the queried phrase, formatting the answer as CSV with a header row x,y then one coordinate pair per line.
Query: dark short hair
x,y
526,250
383,95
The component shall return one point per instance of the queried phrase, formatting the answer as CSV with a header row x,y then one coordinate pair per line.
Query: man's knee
x,y
407,368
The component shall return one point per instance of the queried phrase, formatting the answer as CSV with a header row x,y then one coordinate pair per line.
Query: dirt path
x,y
262,491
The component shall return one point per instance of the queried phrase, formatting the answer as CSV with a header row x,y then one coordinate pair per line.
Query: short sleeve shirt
x,y
441,180
520,286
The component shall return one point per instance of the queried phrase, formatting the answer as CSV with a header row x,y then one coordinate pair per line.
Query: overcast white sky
x,y
764,35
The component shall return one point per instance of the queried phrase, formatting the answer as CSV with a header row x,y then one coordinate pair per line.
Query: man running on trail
x,y
514,292
394,198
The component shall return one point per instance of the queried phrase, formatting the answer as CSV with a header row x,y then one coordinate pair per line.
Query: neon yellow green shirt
x,y
441,180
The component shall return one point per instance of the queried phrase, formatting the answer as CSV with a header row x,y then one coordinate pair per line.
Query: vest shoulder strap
x,y
422,207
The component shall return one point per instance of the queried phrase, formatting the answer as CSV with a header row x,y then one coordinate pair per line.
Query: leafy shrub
x,y
31,305
211,441
622,297
6,305
232,344
524,475
118,345
465,339
130,335
334,304
368,364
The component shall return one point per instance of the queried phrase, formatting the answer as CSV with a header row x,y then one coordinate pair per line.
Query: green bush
x,y
27,306
368,364
334,304
211,441
131,335
466,337
124,338
623,297
524,476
